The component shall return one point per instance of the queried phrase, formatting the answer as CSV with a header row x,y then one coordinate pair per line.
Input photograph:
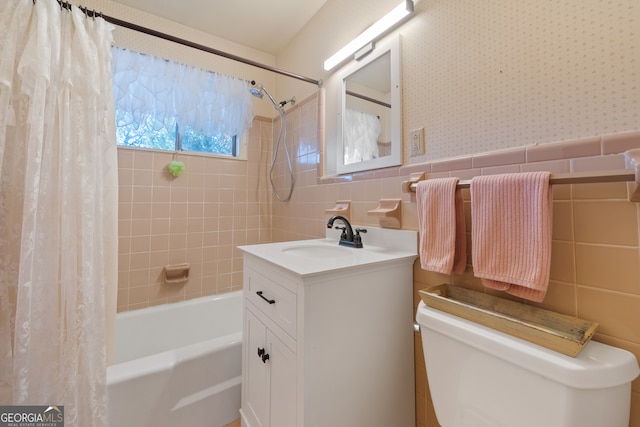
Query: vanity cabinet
x,y
328,348
271,374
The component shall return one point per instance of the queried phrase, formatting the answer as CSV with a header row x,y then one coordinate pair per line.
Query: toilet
x,y
480,377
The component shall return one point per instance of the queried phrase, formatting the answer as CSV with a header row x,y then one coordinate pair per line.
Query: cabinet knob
x,y
263,355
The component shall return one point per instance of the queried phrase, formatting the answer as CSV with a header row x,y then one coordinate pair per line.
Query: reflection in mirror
x,y
369,112
365,126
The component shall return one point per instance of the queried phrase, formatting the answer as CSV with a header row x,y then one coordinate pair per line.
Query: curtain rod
x,y
158,34
367,98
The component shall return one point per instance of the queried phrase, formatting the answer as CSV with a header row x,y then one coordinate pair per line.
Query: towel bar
x,y
622,175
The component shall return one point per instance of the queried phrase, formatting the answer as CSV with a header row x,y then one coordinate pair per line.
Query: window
x,y
169,106
144,135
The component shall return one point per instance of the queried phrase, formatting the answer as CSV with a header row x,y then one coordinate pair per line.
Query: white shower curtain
x,y
58,208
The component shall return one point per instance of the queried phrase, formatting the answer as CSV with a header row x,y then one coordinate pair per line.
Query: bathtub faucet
x,y
347,238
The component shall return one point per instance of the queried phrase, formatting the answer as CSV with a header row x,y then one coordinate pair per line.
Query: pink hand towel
x,y
443,244
511,232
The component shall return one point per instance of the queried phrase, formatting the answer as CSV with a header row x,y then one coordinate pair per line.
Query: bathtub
x,y
177,364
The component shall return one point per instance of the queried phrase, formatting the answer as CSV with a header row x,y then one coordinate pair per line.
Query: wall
x,y
595,266
595,275
198,218
139,42
216,205
490,75
595,270
500,87
480,77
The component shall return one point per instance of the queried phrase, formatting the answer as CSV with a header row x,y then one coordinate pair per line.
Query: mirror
x,y
369,111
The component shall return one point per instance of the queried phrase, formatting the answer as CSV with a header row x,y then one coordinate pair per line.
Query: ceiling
x,y
265,25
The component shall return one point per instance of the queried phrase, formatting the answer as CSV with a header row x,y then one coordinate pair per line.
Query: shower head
x,y
256,89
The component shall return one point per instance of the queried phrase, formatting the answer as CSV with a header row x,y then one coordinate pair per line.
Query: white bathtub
x,y
178,364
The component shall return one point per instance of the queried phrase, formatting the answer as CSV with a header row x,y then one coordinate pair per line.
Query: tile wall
x,y
217,204
197,218
595,271
595,274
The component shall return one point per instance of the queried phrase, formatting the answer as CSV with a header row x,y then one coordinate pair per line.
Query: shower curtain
x,y
58,208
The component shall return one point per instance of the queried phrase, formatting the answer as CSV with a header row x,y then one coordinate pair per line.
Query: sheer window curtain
x,y
361,130
58,208
153,91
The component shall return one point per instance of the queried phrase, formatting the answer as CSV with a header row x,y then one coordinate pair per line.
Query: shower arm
x,y
273,101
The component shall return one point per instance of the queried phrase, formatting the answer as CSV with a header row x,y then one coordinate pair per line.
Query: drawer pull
x,y
270,301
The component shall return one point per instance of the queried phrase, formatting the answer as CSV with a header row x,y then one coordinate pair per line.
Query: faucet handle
x,y
357,240
343,235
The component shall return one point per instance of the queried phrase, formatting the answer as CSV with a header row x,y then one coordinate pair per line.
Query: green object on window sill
x,y
176,168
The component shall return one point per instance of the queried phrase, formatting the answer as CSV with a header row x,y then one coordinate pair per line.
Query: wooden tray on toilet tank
x,y
559,332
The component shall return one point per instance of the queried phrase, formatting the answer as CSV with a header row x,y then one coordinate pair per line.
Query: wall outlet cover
x,y
416,142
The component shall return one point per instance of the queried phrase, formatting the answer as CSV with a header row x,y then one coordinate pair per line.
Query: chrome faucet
x,y
347,238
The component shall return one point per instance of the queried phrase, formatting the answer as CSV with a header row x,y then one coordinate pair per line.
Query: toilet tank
x,y
480,377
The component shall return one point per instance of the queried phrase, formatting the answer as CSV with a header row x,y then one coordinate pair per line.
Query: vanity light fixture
x,y
384,24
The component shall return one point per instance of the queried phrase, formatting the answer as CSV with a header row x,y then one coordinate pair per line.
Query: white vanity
x,y
328,332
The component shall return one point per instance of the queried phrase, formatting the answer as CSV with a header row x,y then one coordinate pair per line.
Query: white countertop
x,y
380,246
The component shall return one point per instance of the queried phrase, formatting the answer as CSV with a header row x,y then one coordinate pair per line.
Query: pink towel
x,y
511,232
443,242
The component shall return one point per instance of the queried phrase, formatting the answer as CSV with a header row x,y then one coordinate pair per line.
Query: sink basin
x,y
318,251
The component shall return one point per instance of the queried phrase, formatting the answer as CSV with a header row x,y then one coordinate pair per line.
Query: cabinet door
x,y
256,393
282,383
